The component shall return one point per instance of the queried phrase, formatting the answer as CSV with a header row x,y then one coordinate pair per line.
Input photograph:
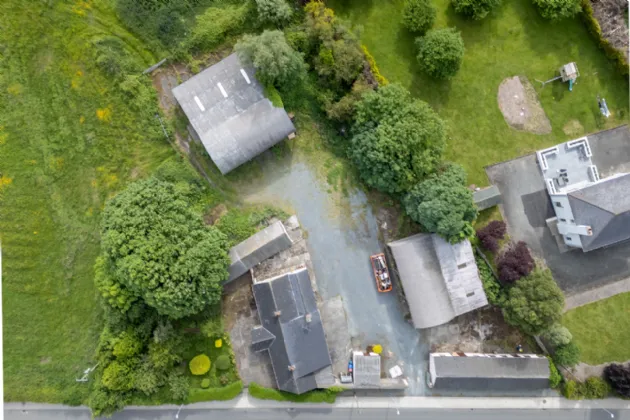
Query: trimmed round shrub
x,y
558,335
440,52
567,355
418,15
558,9
222,362
475,9
205,383
199,365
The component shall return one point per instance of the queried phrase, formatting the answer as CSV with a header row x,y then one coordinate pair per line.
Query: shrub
x,y
273,11
179,386
554,376
418,15
396,139
490,235
200,364
475,9
619,378
442,204
380,79
118,376
213,327
275,61
218,343
494,292
214,25
440,52
515,263
558,9
205,383
127,345
344,109
558,335
215,394
592,388
222,362
567,355
534,303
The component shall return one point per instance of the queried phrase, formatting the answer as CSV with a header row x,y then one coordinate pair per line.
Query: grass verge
x,y
215,394
317,396
610,318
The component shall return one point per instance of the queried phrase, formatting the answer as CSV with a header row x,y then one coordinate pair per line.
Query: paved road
x,y
342,234
328,414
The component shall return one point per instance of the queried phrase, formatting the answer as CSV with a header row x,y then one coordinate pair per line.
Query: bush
x,y
380,79
215,394
418,15
515,263
179,386
558,9
558,335
475,9
442,204
222,362
534,303
440,52
273,11
127,345
554,376
567,355
275,61
592,388
490,235
205,383
317,396
618,376
214,25
492,288
118,376
199,365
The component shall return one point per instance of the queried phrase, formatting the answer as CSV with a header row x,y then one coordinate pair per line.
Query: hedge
x,y
596,31
593,388
317,396
382,81
225,393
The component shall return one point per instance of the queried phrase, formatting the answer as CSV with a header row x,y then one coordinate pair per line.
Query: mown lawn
x,y
515,40
602,329
68,140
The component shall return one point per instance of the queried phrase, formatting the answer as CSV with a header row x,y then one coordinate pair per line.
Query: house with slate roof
x,y
591,213
291,331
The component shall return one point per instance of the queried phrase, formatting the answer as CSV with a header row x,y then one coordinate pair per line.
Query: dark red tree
x,y
490,235
619,378
515,263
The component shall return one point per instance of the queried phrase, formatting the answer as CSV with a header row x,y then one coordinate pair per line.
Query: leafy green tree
x,y
418,15
475,9
397,139
558,9
567,355
274,11
119,376
440,52
275,61
156,248
558,335
534,302
127,345
178,385
442,204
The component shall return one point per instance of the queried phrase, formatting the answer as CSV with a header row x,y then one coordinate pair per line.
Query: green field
x,y
68,140
610,318
514,40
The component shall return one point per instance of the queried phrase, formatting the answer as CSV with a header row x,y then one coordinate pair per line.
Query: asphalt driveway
x,y
526,206
341,235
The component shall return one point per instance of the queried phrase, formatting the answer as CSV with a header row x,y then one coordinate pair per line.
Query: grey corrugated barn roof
x,y
288,313
257,248
479,372
440,279
605,207
228,110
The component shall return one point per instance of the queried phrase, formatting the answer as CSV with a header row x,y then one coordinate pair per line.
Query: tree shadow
x,y
348,9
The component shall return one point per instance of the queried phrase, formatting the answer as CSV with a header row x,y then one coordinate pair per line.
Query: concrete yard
x,y
342,234
526,206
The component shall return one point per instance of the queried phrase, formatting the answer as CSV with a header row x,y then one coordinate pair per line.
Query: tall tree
x,y
397,139
276,63
442,204
534,302
157,249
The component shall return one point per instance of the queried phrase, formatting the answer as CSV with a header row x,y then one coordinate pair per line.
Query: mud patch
x,y
573,128
215,214
520,106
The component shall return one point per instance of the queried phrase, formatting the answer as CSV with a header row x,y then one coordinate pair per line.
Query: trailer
x,y
381,273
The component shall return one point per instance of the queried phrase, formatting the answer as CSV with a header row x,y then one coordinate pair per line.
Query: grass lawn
x,y
515,40
602,329
68,140
317,396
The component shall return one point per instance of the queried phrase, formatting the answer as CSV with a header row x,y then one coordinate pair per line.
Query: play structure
x,y
568,73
